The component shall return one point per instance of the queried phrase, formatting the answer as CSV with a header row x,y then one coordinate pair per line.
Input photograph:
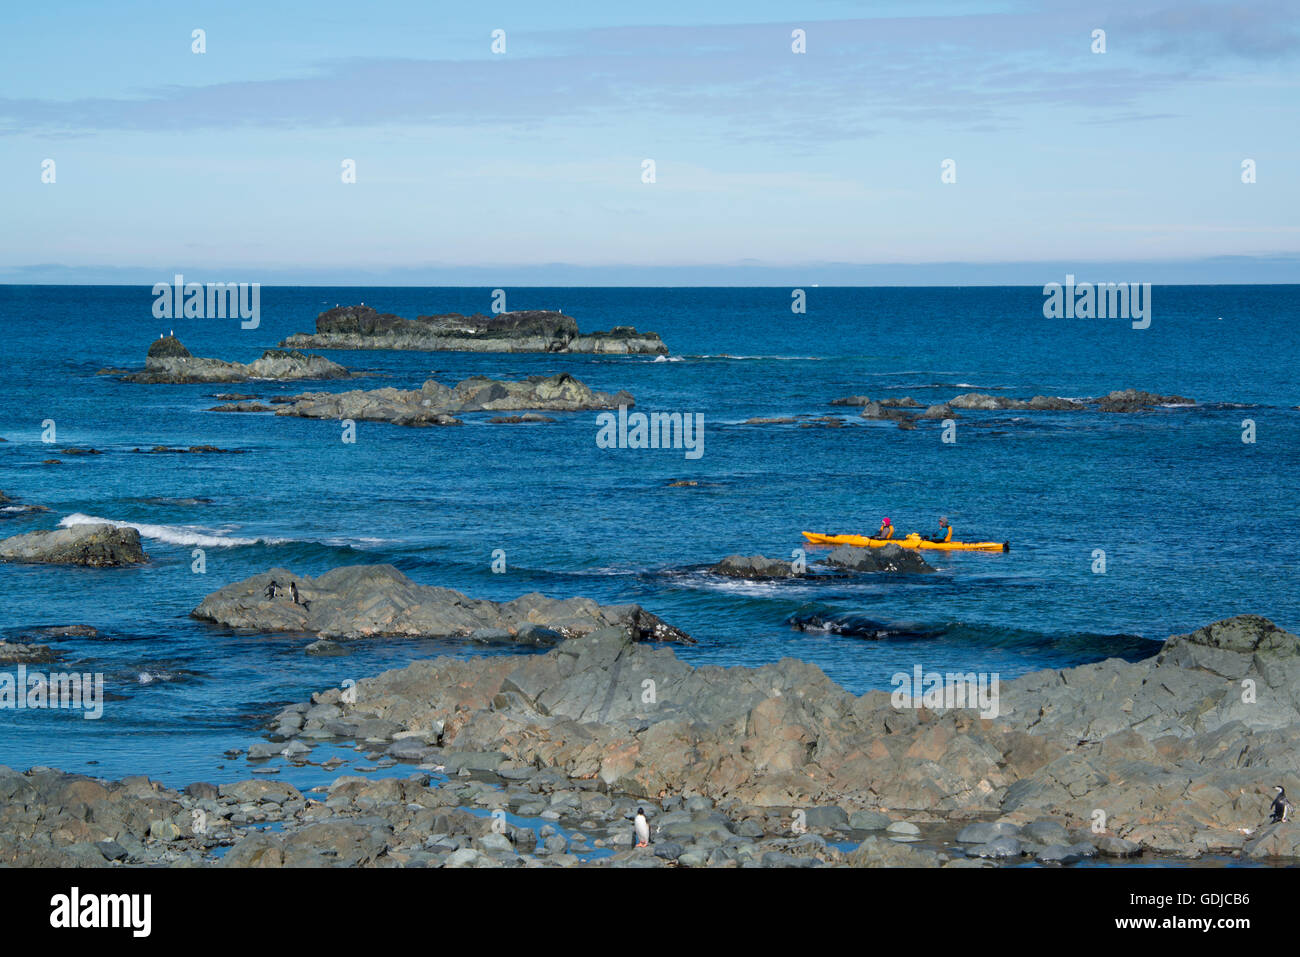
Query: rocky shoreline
x,y
735,767
362,327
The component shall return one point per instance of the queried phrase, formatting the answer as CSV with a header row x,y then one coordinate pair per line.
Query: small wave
x,y
172,534
669,358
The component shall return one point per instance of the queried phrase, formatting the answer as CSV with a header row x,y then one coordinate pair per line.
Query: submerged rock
x,y
362,327
10,507
12,653
362,601
98,545
169,362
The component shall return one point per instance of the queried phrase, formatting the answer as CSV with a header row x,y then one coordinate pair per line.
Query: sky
x,y
477,167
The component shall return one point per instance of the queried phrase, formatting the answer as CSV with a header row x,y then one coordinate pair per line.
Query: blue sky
x,y
770,165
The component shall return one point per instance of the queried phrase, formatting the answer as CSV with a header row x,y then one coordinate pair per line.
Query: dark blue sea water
x,y
1196,524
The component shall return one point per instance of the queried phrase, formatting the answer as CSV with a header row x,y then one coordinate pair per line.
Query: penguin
x,y
293,588
1281,806
271,588
642,828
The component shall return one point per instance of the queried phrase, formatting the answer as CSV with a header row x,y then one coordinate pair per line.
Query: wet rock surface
x,y
14,653
754,567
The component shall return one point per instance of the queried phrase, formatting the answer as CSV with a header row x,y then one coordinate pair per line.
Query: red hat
x,y
886,521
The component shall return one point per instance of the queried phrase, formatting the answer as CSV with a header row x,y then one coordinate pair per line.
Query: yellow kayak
x,y
911,541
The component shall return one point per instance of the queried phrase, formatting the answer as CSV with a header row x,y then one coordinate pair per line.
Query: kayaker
x,y
945,531
886,530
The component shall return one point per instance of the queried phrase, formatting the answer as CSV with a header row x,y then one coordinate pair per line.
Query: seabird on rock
x,y
1281,806
642,828
270,589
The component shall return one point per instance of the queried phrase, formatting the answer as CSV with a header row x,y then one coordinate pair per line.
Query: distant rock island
x,y
533,330
169,362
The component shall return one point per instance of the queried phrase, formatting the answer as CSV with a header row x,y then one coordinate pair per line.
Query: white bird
x,y
642,828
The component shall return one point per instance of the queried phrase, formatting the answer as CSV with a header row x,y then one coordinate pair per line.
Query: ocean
x,y
1195,523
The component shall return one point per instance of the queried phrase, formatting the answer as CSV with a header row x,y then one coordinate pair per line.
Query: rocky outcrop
x,y
241,407
1165,748
753,567
886,558
1135,400
1039,403
13,653
169,362
1126,400
362,327
770,766
97,545
364,601
437,404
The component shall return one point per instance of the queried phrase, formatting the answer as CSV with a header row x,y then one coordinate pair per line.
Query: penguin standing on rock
x,y
642,828
293,589
272,588
1281,806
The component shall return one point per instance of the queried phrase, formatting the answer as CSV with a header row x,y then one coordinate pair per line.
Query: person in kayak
x,y
886,530
945,532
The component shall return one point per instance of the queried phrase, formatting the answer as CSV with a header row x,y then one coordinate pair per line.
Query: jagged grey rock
x,y
98,545
362,601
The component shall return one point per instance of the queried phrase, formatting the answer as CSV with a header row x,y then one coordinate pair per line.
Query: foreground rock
x,y
1157,745
364,601
98,545
887,558
169,362
361,327
735,767
437,404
